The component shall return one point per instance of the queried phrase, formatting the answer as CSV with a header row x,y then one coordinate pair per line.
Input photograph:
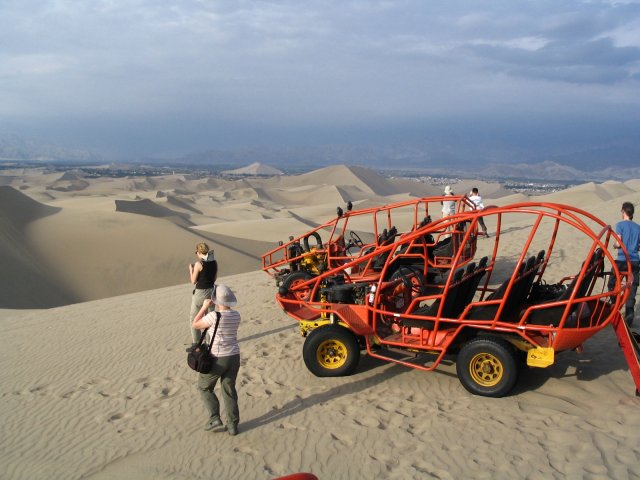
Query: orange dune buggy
x,y
306,256
435,291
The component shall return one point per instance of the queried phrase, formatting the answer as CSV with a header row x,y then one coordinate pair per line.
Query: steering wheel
x,y
355,239
411,278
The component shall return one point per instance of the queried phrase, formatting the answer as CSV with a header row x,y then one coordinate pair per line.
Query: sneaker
x,y
232,429
215,423
191,348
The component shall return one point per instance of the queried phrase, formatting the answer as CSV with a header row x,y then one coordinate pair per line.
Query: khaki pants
x,y
226,370
197,299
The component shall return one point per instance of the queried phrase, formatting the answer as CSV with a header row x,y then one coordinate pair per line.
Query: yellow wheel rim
x,y
486,369
332,354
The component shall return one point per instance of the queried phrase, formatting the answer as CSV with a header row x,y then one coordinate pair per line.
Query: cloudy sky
x,y
153,76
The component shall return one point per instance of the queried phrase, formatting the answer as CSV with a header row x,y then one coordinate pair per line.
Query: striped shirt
x,y
226,342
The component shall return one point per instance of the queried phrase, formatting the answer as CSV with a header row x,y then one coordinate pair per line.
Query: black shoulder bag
x,y
200,358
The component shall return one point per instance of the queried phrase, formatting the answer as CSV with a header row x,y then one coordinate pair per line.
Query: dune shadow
x,y
18,210
226,242
601,356
303,220
268,332
351,386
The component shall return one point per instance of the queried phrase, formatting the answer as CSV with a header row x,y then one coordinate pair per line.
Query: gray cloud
x,y
596,61
192,68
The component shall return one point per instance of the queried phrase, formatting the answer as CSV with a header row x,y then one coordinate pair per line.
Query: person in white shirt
x,y
475,197
448,206
226,351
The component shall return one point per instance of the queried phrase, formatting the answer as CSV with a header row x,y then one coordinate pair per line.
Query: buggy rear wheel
x,y
331,351
487,367
294,279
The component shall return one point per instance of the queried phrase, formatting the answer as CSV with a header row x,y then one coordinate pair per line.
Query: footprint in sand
x,y
115,417
344,441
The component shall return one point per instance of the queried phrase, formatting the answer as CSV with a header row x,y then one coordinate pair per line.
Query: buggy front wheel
x,y
331,351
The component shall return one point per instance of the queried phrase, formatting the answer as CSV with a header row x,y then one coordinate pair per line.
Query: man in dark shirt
x,y
629,233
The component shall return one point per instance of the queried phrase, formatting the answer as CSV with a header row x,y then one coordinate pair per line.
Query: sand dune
x,y
112,226
123,224
146,207
97,387
633,184
250,229
116,400
307,194
22,272
591,193
418,189
19,210
507,199
53,256
339,175
182,203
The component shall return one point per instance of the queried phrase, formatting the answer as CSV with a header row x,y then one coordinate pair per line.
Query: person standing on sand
x,y
202,275
475,197
226,351
629,233
448,206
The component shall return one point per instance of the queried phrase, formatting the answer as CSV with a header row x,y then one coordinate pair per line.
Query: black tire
x,y
331,351
305,241
487,367
294,279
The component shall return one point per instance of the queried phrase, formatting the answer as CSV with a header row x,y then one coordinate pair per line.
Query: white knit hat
x,y
447,190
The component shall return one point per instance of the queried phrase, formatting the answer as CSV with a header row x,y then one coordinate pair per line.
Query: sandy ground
x,y
94,382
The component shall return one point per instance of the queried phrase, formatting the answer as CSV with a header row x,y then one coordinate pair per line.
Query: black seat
x,y
519,292
488,312
451,296
385,238
416,246
538,263
471,286
444,248
553,315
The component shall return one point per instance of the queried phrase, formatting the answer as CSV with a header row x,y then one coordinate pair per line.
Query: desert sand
x,y
94,304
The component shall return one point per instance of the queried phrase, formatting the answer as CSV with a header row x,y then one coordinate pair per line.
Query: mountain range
x,y
614,162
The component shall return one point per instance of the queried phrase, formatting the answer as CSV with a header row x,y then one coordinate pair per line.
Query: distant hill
x,y
599,164
255,168
436,157
552,171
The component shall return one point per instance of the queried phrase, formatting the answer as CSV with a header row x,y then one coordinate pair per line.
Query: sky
x,y
144,77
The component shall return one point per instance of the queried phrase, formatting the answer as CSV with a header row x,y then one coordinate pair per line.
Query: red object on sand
x,y
298,476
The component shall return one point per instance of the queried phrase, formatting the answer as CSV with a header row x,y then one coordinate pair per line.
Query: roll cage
x,y
380,227
417,300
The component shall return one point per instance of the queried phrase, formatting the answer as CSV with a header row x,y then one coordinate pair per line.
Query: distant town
x,y
524,187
